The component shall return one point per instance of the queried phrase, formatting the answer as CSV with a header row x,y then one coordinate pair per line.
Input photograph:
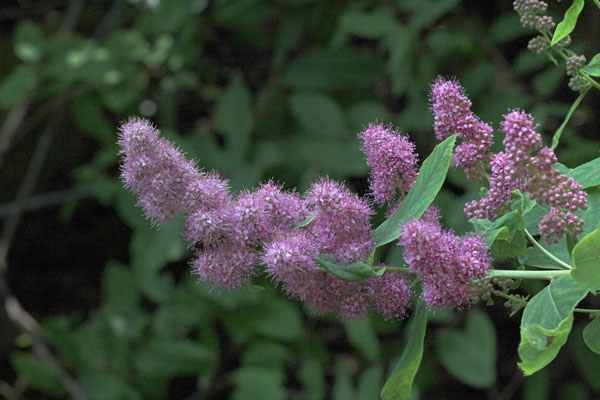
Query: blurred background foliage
x,y
254,89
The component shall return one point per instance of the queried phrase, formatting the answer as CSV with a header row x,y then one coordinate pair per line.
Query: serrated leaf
x,y
586,261
547,321
593,67
470,354
591,335
399,384
431,177
356,272
569,21
588,174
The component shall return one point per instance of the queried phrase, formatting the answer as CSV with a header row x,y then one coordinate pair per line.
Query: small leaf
x,y
305,221
29,41
591,335
356,272
15,86
568,23
526,204
593,67
586,261
431,177
547,321
562,126
398,386
252,382
470,355
588,174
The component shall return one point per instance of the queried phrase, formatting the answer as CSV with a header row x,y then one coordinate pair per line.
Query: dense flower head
x,y
452,114
392,160
342,222
577,82
227,266
392,294
443,262
557,223
521,137
156,171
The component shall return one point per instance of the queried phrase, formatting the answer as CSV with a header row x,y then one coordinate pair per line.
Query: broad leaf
x,y
588,174
470,355
318,114
431,177
591,335
356,272
547,321
567,25
593,67
399,384
586,261
363,337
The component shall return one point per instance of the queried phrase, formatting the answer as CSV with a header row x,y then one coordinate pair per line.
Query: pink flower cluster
x,y
524,164
232,234
444,263
452,113
392,160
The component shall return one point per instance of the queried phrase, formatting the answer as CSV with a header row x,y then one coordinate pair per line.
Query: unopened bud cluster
x,y
577,82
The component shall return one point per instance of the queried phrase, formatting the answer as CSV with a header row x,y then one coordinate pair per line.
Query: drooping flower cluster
x,y
232,234
392,160
444,263
452,113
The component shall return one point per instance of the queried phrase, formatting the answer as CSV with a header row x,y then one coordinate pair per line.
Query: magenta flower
x,y
444,263
227,266
452,114
392,294
392,160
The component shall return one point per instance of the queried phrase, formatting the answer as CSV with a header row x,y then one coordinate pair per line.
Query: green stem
x,y
597,3
516,274
393,269
585,310
590,80
546,252
508,296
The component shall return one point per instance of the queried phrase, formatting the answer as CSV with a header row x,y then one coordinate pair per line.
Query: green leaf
x,y
584,359
591,335
568,23
536,258
562,126
326,69
312,377
15,86
40,374
318,114
586,261
305,221
399,384
369,383
252,382
431,177
166,358
505,234
356,272
525,204
363,338
89,118
593,67
588,174
470,355
370,25
547,321
29,41
233,118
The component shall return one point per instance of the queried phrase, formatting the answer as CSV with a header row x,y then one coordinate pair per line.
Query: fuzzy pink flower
x,y
392,160
227,266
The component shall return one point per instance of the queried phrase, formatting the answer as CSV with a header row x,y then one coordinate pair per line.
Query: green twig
x,y
597,3
516,274
585,310
508,296
546,252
